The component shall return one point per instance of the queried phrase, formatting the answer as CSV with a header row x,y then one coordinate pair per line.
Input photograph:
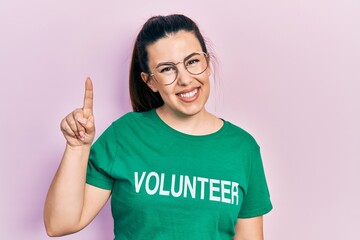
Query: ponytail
x,y
141,96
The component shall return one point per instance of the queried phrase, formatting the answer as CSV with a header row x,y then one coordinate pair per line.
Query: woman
x,y
174,170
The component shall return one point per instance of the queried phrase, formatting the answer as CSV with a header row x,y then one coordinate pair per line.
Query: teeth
x,y
189,94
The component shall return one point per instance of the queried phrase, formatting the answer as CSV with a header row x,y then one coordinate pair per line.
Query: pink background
x,y
288,72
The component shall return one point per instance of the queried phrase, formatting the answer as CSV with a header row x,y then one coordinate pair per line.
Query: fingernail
x,y
82,134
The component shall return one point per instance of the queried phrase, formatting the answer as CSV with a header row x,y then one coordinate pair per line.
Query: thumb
x,y
88,124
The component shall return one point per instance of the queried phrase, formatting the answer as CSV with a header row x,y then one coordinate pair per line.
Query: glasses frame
x,y
151,74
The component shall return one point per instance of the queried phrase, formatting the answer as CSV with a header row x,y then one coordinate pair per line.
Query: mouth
x,y
189,96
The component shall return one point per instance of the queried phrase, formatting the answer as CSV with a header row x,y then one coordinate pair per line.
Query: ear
x,y
149,81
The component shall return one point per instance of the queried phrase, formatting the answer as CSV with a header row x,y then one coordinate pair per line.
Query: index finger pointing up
x,y
88,98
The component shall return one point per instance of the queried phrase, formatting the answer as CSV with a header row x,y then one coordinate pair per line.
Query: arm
x,y
71,204
249,229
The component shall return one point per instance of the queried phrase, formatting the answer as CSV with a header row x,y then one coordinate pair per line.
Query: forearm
x,y
65,199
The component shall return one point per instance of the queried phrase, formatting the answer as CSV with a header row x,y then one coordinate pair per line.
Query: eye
x,y
166,69
192,61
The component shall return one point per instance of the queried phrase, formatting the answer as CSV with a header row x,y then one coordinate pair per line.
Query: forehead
x,y
173,48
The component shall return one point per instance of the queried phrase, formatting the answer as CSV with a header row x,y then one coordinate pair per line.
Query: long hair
x,y
142,97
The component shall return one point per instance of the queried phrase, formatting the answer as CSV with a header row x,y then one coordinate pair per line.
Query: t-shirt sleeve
x,y
101,159
256,200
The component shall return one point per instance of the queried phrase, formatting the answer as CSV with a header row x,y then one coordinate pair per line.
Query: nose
x,y
183,77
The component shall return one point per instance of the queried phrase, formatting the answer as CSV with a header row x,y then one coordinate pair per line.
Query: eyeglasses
x,y
166,73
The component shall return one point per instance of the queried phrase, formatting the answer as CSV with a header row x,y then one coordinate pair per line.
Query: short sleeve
x,y
101,160
257,198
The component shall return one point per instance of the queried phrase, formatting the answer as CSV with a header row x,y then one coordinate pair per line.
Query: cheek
x,y
206,75
165,92
208,71
204,78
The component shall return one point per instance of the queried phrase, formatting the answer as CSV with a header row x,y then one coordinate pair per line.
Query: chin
x,y
192,110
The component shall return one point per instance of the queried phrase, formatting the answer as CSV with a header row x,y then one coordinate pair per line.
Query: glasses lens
x,y
197,64
166,73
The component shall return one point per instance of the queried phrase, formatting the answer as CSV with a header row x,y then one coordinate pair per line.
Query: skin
x,y
71,204
249,229
184,116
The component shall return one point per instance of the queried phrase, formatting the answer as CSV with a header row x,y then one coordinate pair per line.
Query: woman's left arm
x,y
249,229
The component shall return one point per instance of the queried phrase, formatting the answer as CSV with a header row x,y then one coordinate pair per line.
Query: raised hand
x,y
78,127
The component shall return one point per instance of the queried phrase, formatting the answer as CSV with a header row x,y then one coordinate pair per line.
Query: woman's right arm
x,y
71,204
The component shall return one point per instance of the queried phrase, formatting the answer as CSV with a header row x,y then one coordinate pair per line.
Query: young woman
x,y
174,170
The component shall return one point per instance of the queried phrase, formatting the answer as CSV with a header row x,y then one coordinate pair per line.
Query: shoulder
x,y
240,136
126,126
133,118
134,122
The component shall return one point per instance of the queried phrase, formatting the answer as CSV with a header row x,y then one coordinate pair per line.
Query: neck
x,y
201,123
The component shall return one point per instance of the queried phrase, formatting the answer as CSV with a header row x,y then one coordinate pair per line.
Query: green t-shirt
x,y
169,185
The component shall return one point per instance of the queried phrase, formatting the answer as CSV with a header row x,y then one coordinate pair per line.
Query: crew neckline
x,y
177,133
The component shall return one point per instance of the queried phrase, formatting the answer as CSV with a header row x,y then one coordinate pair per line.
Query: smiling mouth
x,y
189,94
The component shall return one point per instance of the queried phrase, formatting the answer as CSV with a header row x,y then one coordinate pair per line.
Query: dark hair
x,y
142,97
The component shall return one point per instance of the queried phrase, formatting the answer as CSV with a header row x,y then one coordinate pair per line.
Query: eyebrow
x,y
172,63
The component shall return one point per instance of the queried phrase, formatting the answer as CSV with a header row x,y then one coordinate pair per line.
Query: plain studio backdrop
x,y
288,71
